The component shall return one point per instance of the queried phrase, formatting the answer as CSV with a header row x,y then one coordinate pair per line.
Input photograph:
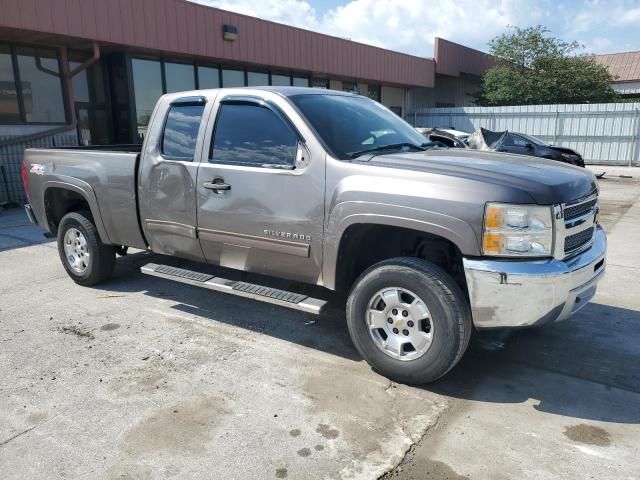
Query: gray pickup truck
x,y
332,189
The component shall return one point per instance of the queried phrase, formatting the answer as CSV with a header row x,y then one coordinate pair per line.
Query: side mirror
x,y
302,156
528,146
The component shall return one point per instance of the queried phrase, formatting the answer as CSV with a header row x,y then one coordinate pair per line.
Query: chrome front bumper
x,y
524,293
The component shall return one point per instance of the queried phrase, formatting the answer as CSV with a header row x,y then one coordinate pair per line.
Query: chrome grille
x,y
577,240
575,225
575,211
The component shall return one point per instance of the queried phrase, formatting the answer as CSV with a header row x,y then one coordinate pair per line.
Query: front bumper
x,y
519,293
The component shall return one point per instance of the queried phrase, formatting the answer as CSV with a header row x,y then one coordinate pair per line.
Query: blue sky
x,y
409,26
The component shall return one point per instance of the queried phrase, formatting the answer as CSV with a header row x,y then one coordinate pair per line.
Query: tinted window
x,y
208,77
9,110
41,85
147,87
232,78
257,79
300,82
280,80
179,77
181,131
348,124
514,141
251,134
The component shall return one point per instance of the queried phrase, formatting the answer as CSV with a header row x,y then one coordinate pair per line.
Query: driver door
x,y
260,192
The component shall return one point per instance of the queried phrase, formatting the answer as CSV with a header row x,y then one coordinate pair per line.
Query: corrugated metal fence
x,y
606,133
11,153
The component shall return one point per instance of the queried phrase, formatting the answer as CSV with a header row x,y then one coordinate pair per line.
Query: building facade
x,y
90,71
625,69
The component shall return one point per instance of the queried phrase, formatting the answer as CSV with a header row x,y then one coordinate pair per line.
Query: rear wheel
x,y
409,319
86,259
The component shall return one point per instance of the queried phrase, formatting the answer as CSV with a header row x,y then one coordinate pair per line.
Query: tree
x,y
536,68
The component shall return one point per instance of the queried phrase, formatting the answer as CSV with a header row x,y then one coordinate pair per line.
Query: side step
x,y
283,298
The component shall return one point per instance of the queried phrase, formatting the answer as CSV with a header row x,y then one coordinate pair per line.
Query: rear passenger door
x,y
167,179
261,191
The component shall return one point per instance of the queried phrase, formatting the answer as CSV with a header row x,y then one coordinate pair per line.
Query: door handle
x,y
216,186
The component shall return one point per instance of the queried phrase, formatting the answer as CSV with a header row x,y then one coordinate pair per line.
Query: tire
x,y
91,269
447,320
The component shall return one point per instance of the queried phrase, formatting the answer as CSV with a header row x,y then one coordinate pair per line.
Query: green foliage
x,y
536,68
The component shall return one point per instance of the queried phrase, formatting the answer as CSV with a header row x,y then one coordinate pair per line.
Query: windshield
x,y
532,139
350,125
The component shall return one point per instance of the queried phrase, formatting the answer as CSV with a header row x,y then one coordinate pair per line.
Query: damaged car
x,y
520,143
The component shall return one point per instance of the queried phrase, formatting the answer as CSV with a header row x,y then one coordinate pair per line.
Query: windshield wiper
x,y
391,146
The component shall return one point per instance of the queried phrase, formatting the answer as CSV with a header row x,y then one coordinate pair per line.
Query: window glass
x,y
280,80
147,88
300,82
79,83
350,87
320,83
254,135
514,141
257,79
208,77
179,77
9,111
181,131
41,85
232,78
348,124
373,92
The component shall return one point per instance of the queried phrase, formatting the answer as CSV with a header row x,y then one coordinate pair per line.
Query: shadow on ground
x,y
599,347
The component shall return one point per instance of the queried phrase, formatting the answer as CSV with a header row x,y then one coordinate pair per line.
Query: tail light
x,y
25,177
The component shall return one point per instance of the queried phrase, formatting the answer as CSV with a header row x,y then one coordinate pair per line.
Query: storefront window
x,y
179,77
208,77
147,87
257,79
300,82
350,87
41,85
320,83
232,78
9,110
280,80
373,92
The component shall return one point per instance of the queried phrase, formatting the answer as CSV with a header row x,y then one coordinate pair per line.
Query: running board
x,y
283,298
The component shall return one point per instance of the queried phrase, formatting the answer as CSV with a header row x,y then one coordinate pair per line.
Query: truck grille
x,y
576,225
575,211
577,240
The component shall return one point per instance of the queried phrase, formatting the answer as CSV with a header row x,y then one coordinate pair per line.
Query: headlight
x,y
517,230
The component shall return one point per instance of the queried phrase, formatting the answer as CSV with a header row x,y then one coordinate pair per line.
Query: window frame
x,y
256,102
18,83
182,102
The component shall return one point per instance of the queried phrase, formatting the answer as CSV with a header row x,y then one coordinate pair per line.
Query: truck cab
x,y
332,189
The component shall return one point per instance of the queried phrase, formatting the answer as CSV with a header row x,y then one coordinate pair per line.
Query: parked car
x,y
446,138
520,143
331,189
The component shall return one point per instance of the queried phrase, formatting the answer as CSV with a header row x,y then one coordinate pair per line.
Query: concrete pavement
x,y
143,378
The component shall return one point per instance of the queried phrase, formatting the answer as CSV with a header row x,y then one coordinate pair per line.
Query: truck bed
x,y
105,175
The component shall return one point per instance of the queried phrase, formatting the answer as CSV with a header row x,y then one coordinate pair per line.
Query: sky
x,y
409,26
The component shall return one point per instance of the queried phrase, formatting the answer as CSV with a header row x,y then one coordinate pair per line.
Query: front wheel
x,y
86,259
409,319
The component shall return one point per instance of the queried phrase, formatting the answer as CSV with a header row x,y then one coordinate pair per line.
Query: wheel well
x,y
60,201
363,245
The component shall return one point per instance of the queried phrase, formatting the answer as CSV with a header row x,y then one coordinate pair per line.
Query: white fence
x,y
606,133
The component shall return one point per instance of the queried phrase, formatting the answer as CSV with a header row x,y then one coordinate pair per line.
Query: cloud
x,y
404,25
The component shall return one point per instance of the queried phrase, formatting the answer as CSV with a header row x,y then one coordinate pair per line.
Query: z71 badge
x,y
37,169
292,236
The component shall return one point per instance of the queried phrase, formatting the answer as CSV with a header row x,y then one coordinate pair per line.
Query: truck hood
x,y
546,181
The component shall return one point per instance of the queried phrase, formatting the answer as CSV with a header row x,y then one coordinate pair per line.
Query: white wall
x,y
605,133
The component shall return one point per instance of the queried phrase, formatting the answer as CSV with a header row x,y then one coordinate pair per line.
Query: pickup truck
x,y
332,189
